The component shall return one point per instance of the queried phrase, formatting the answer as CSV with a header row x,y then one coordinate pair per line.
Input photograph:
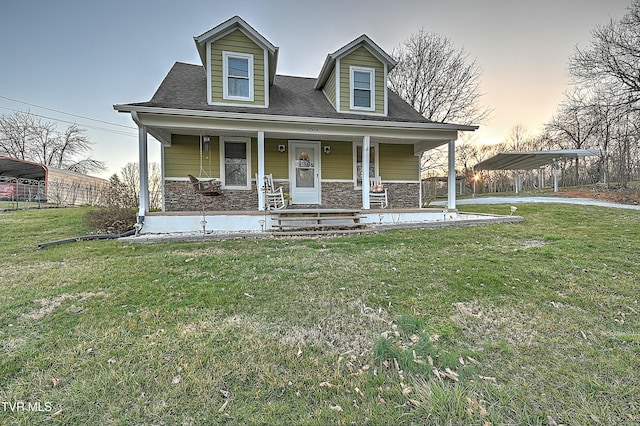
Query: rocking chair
x,y
209,187
273,197
377,192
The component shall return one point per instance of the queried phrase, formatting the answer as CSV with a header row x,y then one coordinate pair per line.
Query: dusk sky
x,y
82,57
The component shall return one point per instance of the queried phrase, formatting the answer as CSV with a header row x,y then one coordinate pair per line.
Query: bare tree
x,y
438,80
575,123
15,134
608,68
128,185
26,137
613,57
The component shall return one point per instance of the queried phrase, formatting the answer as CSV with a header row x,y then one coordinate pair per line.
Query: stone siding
x,y
343,195
179,196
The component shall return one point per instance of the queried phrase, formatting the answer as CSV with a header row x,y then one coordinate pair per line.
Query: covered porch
x,y
336,176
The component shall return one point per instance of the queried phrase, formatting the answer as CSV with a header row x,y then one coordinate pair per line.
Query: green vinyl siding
x,y
339,163
275,162
361,57
330,88
183,158
237,42
397,162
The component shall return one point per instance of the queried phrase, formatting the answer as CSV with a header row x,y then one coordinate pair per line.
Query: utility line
x,y
117,132
68,113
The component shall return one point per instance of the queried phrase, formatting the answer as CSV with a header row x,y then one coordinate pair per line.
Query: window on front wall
x,y
236,164
373,161
238,76
362,88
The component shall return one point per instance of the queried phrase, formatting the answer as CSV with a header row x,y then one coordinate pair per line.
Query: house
x,y
233,118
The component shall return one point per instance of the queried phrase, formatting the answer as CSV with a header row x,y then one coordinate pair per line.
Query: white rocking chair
x,y
273,197
377,193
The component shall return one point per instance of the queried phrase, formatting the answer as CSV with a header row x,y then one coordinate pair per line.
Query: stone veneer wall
x,y
179,196
343,195
403,195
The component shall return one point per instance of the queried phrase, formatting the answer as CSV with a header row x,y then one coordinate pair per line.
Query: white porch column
x,y
420,179
555,176
366,147
451,197
260,180
143,160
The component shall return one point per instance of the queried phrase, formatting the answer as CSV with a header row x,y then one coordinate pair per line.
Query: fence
x,y
22,193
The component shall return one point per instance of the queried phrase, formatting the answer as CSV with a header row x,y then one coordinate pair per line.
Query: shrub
x,y
111,220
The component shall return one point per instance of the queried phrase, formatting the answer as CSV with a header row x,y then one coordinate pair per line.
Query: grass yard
x,y
536,323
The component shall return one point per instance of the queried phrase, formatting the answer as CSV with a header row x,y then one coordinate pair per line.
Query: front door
x,y
304,172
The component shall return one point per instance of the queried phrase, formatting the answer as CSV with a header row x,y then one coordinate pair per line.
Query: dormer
x,y
240,64
354,78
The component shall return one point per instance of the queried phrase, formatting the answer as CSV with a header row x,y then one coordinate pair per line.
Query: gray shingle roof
x,y
185,87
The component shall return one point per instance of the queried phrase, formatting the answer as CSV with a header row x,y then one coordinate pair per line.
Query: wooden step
x,y
292,218
315,221
319,232
321,226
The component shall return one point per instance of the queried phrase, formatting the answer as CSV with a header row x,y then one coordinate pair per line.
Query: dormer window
x,y
362,88
238,76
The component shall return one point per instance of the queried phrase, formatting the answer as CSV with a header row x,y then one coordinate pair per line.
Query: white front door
x,y
304,172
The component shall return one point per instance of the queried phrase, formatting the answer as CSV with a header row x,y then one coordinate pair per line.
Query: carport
x,y
22,169
22,180
532,160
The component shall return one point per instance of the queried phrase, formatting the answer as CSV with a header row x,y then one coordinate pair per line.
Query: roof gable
x,y
362,41
227,27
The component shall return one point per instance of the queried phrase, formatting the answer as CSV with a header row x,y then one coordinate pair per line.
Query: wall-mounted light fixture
x,y
327,149
281,148
205,143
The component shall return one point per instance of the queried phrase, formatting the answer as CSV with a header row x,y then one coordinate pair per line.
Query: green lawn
x,y
529,323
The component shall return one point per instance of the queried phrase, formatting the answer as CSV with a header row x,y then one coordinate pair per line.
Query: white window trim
x,y
376,166
225,75
372,81
223,174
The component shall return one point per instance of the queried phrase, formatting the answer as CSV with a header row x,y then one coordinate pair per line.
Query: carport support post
x,y
555,176
143,158
451,186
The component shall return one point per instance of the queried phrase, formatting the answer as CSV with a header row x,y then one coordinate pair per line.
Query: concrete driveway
x,y
519,200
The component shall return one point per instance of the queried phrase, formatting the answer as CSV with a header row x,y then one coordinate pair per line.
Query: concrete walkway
x,y
519,200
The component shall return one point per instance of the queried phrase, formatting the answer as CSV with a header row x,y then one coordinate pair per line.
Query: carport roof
x,y
22,169
531,159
